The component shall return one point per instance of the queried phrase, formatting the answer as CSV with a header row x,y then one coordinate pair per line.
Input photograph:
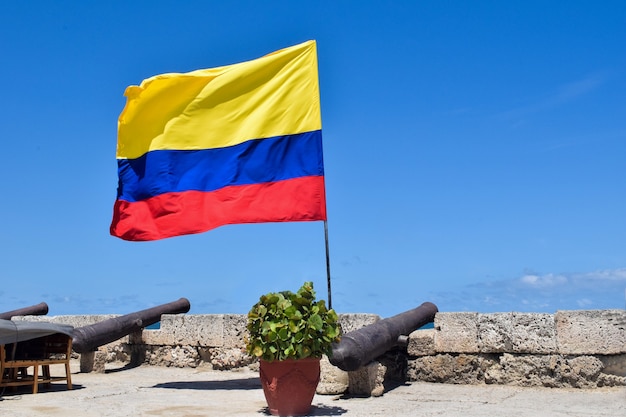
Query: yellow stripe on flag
x,y
275,95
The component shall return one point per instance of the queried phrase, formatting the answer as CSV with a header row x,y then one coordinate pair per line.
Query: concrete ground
x,y
158,391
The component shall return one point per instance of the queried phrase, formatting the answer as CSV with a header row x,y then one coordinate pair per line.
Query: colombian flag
x,y
235,144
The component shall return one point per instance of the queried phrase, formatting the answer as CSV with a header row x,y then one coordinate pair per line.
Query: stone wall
x,y
582,349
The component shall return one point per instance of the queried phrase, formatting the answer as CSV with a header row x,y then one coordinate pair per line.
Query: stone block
x,y
205,330
355,321
533,333
450,368
516,333
589,332
494,332
333,381
87,361
368,380
194,330
93,361
421,343
235,330
226,358
553,371
162,336
179,356
150,337
456,332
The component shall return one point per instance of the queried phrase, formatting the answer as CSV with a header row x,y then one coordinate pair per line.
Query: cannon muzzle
x,y
89,338
359,347
40,309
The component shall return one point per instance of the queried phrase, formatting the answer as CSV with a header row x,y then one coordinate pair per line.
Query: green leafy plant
x,y
287,325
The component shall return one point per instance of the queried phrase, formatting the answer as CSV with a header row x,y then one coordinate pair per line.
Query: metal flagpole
x,y
330,299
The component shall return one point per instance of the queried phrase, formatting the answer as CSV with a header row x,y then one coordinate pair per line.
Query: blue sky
x,y
474,155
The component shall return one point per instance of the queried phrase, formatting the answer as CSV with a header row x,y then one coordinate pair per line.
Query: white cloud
x,y
536,292
617,275
543,281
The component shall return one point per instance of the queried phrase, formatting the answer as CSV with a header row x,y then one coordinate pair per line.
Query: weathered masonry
x,y
580,348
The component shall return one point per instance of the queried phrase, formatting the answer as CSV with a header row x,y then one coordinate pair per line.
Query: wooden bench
x,y
41,352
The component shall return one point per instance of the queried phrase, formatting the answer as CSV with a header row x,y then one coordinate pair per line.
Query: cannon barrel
x,y
89,338
359,347
40,309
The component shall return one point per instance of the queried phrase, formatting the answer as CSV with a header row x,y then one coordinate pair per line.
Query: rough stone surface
x,y
87,361
218,358
395,362
614,364
350,322
333,381
100,360
516,333
234,330
495,332
379,376
549,371
93,361
581,349
368,380
225,359
456,332
588,332
116,352
112,352
174,356
194,330
533,333
421,343
508,369
152,337
451,368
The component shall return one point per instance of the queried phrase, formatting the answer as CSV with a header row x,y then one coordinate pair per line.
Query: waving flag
x,y
235,144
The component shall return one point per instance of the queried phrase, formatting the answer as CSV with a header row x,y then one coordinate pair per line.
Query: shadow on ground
x,y
316,410
43,390
231,384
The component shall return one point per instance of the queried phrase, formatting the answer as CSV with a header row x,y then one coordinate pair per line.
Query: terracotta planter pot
x,y
289,385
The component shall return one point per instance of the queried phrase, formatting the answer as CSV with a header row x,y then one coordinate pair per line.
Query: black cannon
x,y
40,309
89,338
359,347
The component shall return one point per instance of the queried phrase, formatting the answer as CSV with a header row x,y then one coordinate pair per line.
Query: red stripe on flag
x,y
174,214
